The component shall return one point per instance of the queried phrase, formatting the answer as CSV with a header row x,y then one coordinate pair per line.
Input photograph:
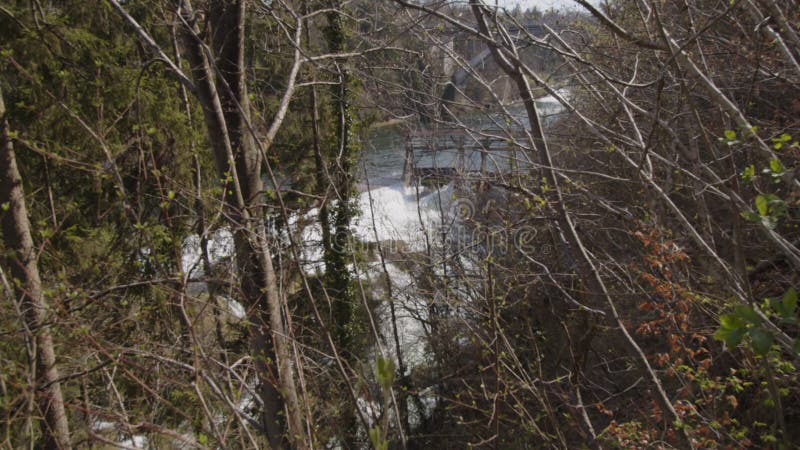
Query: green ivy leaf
x,y
778,142
722,334
777,306
375,438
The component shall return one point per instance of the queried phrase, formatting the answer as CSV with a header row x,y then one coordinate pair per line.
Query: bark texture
x,y
23,264
221,90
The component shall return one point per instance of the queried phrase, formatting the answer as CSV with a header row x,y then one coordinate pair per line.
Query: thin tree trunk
x,y
587,272
23,264
338,275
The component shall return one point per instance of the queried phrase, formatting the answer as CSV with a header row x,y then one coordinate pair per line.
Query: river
x,y
398,217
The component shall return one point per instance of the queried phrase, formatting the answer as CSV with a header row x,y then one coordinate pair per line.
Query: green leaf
x,y
775,166
734,338
722,334
762,340
374,436
749,172
762,205
747,313
751,216
384,370
778,142
730,322
777,306
789,303
730,135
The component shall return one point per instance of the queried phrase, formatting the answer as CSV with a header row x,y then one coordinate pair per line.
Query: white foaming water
x,y
387,213
396,213
411,311
550,107
392,213
220,246
310,242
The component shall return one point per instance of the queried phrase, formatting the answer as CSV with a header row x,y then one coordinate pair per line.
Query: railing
x,y
445,154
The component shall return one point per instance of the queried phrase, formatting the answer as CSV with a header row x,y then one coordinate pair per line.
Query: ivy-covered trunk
x,y
343,149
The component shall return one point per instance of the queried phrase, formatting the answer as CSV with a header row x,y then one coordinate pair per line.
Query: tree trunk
x,y
223,97
343,149
587,272
23,263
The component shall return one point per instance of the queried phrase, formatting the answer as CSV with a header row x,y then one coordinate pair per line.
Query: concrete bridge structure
x,y
477,52
440,155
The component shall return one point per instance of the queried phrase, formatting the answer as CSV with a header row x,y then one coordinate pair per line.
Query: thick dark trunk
x,y
223,97
227,27
23,265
